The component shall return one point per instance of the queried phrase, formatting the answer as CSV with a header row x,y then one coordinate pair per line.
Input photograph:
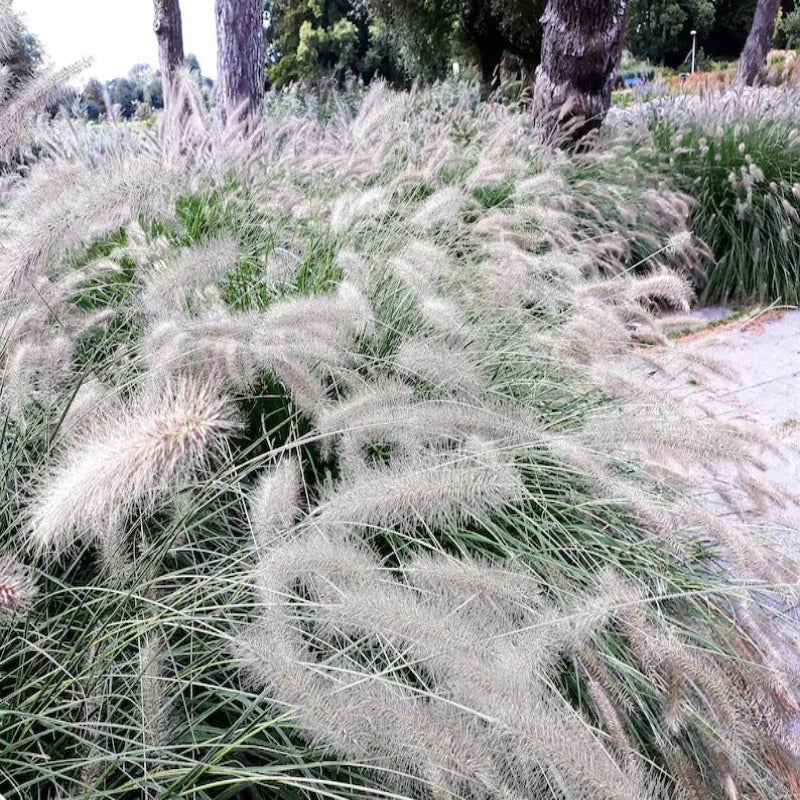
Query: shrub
x,y
328,457
738,156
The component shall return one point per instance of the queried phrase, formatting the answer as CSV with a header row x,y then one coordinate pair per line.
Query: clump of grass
x,y
739,159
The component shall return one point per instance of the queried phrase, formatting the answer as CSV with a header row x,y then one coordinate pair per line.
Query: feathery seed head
x,y
352,206
17,588
433,489
459,620
83,408
275,502
679,242
178,282
446,370
167,435
8,24
442,208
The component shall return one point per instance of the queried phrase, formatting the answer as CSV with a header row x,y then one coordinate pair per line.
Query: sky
x,y
116,34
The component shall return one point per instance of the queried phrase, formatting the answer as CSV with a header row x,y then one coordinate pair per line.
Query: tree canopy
x,y
660,30
307,39
141,90
23,55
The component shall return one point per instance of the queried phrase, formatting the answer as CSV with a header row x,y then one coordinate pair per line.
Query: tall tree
x,y
309,39
732,20
240,56
93,100
487,29
21,51
754,54
169,33
659,30
499,27
581,48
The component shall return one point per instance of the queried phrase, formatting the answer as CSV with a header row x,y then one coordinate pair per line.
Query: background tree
x,y
310,38
659,30
192,63
92,100
790,27
22,55
139,91
423,33
732,20
125,94
501,27
154,92
754,54
141,73
486,30
240,56
581,47
168,28
27,88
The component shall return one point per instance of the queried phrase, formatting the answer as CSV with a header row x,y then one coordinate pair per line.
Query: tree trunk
x,y
754,54
240,57
169,33
581,48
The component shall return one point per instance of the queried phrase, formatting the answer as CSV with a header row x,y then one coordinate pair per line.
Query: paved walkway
x,y
759,384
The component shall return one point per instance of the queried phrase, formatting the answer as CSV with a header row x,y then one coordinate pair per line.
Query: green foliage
x,y
249,287
135,95
423,31
790,26
398,40
496,195
20,54
659,30
125,94
623,98
744,176
430,34
92,101
732,23
311,39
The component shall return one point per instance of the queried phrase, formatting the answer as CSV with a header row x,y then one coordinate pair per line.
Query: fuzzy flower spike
x,y
164,437
16,587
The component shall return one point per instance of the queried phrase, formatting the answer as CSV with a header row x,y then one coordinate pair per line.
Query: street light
x,y
694,48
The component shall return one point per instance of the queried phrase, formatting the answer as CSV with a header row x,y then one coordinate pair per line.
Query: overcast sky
x,y
116,34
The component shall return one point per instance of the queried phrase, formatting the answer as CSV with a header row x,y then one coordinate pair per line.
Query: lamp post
x,y
694,48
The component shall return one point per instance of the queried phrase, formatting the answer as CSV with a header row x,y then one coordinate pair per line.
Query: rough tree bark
x,y
169,33
240,57
754,54
581,48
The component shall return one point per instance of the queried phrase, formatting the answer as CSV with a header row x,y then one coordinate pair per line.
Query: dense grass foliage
x,y
738,156
329,471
